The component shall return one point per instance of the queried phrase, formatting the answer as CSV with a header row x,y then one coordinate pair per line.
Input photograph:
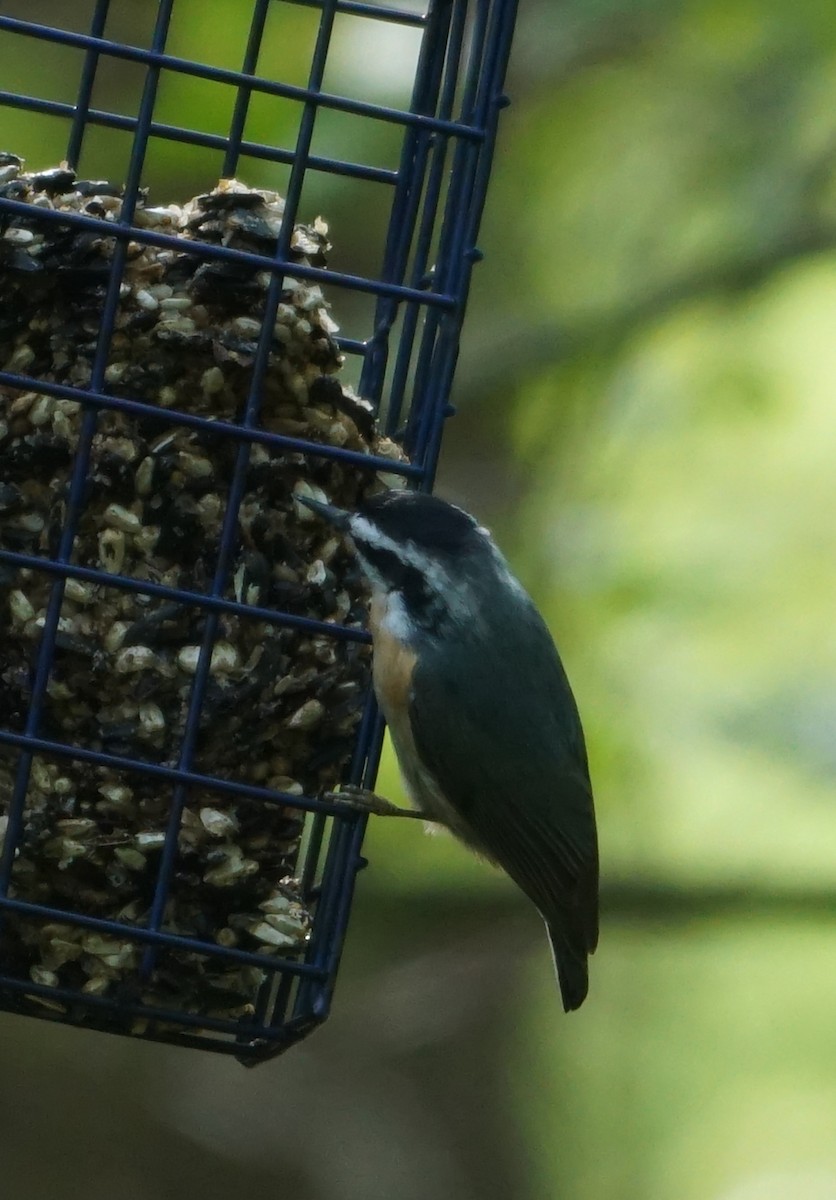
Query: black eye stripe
x,y
385,561
403,576
415,590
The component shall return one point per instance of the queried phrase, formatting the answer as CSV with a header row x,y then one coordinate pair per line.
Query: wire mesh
x,y
107,97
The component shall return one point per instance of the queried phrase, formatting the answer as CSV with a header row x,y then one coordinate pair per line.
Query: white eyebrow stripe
x,y
365,531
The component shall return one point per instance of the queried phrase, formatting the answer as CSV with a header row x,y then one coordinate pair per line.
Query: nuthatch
x,y
480,711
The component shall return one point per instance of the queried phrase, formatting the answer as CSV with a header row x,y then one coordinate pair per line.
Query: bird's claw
x,y
361,800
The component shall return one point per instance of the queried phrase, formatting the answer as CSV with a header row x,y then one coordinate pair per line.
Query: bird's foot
x,y
361,800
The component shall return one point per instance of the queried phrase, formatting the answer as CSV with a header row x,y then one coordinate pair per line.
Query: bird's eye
x,y
397,574
384,562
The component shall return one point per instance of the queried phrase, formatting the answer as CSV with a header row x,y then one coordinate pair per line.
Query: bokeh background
x,y
646,418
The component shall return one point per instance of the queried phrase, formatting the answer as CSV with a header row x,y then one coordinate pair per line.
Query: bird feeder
x,y
184,665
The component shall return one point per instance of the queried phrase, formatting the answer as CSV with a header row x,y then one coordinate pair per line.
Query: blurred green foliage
x,y
646,418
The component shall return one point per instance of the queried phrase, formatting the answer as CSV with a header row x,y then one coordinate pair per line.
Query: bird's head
x,y
427,557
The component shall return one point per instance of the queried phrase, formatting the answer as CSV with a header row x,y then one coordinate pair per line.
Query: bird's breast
x,y
393,668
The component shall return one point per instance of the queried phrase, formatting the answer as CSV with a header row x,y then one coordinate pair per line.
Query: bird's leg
x,y
361,800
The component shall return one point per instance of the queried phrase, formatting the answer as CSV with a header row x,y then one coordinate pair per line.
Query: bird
x,y
480,712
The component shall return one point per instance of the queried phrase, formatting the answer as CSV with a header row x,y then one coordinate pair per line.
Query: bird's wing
x,y
514,767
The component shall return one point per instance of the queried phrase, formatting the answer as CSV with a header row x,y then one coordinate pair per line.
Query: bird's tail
x,y
570,964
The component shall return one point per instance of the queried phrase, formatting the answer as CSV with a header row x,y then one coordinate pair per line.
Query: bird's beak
x,y
337,517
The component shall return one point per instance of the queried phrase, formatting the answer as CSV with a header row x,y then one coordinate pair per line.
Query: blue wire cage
x,y
403,354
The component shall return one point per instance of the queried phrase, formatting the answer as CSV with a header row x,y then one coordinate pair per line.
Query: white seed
x,y
158,216
19,237
144,477
218,824
121,446
96,986
41,775
133,659
115,372
65,624
112,550
224,658
233,868
31,522
246,327
79,591
146,540
61,427
58,690
20,606
152,840
42,976
151,718
308,716
145,300
326,322
77,827
291,923
272,937
212,381
210,507
310,298
338,433
59,949
175,304
316,573
284,783
310,492
122,518
41,410
117,795
130,857
65,850
115,636
188,658
193,466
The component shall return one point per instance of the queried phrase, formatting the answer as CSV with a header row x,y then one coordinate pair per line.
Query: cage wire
x,y
293,115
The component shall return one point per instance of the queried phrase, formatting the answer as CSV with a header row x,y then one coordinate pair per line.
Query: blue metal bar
x,y
185,66
195,137
173,416
426,418
229,532
164,1015
377,13
75,497
156,937
242,100
483,100
81,115
407,197
199,600
436,178
124,232
118,762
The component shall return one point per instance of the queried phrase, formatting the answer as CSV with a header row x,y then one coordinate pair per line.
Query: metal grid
x,y
407,354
